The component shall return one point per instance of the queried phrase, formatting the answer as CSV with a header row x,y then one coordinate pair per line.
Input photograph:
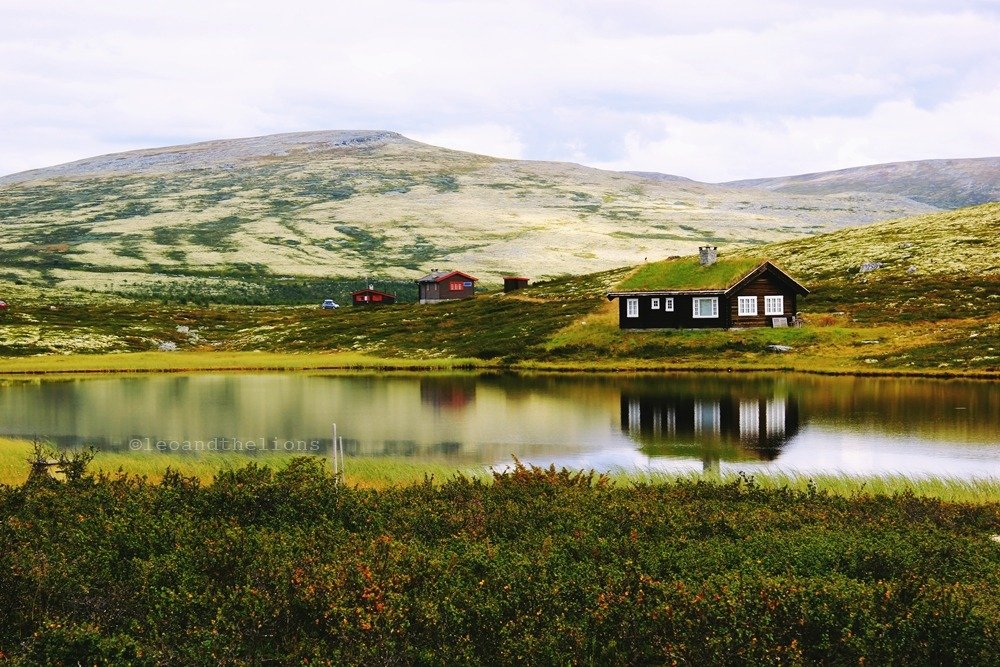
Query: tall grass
x,y
363,472
978,490
386,472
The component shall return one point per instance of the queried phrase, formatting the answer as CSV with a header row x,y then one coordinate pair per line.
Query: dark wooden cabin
x,y
372,297
703,292
446,286
513,283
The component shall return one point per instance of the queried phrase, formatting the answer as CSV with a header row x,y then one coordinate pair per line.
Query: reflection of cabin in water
x,y
730,428
449,393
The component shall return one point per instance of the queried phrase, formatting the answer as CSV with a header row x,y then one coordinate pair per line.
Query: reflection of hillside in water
x,y
711,426
966,411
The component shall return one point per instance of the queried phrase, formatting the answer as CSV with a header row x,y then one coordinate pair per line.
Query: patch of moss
x,y
688,273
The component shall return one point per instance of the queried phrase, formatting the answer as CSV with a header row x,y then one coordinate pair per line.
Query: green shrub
x,y
537,565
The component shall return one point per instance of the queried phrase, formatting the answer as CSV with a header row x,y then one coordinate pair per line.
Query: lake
x,y
677,422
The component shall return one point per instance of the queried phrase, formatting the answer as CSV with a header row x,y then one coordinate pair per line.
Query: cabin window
x,y
668,304
631,307
705,307
707,418
455,287
654,304
749,419
774,305
634,416
775,415
747,305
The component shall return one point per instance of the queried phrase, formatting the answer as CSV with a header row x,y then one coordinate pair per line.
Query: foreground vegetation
x,y
538,566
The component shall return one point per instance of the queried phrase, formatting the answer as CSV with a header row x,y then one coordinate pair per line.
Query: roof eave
x,y
768,266
682,292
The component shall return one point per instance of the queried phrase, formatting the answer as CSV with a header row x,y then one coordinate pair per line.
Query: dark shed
x,y
512,283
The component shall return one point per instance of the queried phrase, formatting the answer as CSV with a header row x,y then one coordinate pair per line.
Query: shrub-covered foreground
x,y
538,566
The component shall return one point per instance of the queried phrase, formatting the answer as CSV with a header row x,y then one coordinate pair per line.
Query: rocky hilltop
x,y
221,154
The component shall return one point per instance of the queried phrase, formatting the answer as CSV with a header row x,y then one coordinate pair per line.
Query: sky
x,y
714,90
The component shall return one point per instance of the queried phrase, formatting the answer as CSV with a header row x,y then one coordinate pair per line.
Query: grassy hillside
x,y
229,217
933,302
942,315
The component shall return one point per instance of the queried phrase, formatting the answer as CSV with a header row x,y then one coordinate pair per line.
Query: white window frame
x,y
774,305
707,418
654,303
746,306
631,307
698,301
668,304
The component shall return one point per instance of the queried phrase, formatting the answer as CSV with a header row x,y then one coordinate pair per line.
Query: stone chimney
x,y
707,254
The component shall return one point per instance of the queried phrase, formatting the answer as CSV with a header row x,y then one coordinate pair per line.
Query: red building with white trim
x,y
446,286
372,297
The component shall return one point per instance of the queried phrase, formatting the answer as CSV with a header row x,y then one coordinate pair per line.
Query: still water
x,y
791,423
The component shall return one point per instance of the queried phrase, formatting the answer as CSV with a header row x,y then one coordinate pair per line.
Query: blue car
x,y
329,304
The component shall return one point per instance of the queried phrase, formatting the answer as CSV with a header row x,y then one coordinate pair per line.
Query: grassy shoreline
x,y
235,362
385,472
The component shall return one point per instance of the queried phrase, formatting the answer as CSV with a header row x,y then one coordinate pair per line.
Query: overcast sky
x,y
710,89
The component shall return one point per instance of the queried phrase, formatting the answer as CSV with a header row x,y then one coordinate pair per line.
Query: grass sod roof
x,y
687,273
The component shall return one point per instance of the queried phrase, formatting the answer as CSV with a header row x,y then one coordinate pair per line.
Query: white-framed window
x,y
746,305
775,415
749,419
668,304
707,418
654,303
631,307
774,305
634,416
707,306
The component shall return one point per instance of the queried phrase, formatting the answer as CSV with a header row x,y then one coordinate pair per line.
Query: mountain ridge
x,y
311,205
946,183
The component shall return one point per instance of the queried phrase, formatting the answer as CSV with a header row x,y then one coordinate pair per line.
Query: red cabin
x,y
372,297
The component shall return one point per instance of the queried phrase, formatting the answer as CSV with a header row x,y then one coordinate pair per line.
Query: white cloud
x,y
623,82
486,139
745,148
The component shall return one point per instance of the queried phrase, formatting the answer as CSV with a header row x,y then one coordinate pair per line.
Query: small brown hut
x,y
512,283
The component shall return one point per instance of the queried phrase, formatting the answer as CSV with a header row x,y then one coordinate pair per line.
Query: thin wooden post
x,y
342,460
336,467
338,456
